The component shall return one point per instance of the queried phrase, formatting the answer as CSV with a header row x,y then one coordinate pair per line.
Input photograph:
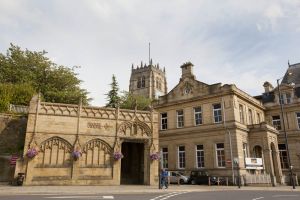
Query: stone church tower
x,y
148,80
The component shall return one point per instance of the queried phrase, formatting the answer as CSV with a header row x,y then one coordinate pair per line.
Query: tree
x,y
113,96
130,101
19,94
57,83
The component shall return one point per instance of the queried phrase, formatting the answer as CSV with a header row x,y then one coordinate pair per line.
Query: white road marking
x,y
286,195
172,195
258,198
81,197
163,195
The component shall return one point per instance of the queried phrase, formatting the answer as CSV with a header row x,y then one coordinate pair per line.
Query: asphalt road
x,y
214,195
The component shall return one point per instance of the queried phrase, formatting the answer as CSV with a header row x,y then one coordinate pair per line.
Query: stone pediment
x,y
189,88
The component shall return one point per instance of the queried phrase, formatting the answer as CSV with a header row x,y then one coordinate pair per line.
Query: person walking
x,y
164,178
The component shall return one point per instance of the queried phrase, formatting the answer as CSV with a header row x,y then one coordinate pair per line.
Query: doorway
x,y
132,164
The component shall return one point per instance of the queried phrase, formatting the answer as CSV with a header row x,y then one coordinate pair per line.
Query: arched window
x,y
143,82
139,82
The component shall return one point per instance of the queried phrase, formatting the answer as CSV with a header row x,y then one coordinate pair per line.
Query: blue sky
x,y
243,42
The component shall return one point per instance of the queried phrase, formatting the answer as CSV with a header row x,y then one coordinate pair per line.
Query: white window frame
x,y
217,111
217,155
288,100
165,157
285,98
277,122
180,118
165,120
198,116
200,154
181,158
298,119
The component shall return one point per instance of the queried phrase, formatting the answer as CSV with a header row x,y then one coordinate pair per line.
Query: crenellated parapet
x,y
145,67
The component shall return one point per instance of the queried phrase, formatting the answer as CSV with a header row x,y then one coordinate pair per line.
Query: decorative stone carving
x,y
55,152
97,153
134,129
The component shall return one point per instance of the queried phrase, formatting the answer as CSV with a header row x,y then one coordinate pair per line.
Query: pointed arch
x,y
54,152
97,152
135,128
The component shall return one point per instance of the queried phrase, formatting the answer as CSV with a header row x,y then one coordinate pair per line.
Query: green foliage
x,y
130,101
19,94
34,70
113,96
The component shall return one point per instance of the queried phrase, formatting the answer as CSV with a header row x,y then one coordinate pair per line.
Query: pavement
x,y
125,189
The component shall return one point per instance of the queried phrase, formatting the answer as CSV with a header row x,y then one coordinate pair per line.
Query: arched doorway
x,y
132,165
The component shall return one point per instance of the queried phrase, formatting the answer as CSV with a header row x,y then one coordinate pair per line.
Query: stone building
x,y
148,80
209,127
57,131
290,99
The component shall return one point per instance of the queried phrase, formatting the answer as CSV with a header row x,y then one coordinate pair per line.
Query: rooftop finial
x,y
151,61
132,66
289,63
149,54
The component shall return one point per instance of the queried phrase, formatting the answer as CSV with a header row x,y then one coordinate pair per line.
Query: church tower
x,y
148,80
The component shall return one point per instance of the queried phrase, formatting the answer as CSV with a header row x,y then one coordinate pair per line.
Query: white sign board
x,y
254,163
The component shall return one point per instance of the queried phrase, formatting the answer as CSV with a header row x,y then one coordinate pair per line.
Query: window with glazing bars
x,y
220,153
165,157
164,121
276,122
181,157
198,115
283,156
180,119
200,156
217,113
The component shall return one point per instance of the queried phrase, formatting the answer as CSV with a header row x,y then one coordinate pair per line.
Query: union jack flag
x,y
13,160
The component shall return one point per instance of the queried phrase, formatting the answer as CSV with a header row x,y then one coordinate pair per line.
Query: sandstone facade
x,y
57,130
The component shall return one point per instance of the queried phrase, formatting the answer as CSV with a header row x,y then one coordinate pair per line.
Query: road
x,y
213,195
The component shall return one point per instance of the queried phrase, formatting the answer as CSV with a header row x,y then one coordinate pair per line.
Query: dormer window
x,y
285,98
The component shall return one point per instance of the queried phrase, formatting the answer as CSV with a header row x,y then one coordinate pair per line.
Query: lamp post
x,y
285,135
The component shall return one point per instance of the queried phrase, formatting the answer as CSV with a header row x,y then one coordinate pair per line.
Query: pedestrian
x,y
164,178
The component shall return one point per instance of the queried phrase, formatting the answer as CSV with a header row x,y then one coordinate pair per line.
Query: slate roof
x,y
294,77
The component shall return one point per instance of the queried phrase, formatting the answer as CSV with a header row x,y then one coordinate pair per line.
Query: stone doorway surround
x,y
265,136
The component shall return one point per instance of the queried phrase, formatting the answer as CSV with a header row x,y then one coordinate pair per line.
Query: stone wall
x,y
12,136
12,133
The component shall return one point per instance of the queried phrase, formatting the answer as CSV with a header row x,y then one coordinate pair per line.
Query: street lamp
x,y
285,134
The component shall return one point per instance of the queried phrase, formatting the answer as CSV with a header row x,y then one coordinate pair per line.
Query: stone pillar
x,y
29,174
269,165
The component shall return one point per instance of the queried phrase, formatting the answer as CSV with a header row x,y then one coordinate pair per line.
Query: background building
x,y
208,127
290,98
148,80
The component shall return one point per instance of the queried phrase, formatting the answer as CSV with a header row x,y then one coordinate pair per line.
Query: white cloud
x,y
245,39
